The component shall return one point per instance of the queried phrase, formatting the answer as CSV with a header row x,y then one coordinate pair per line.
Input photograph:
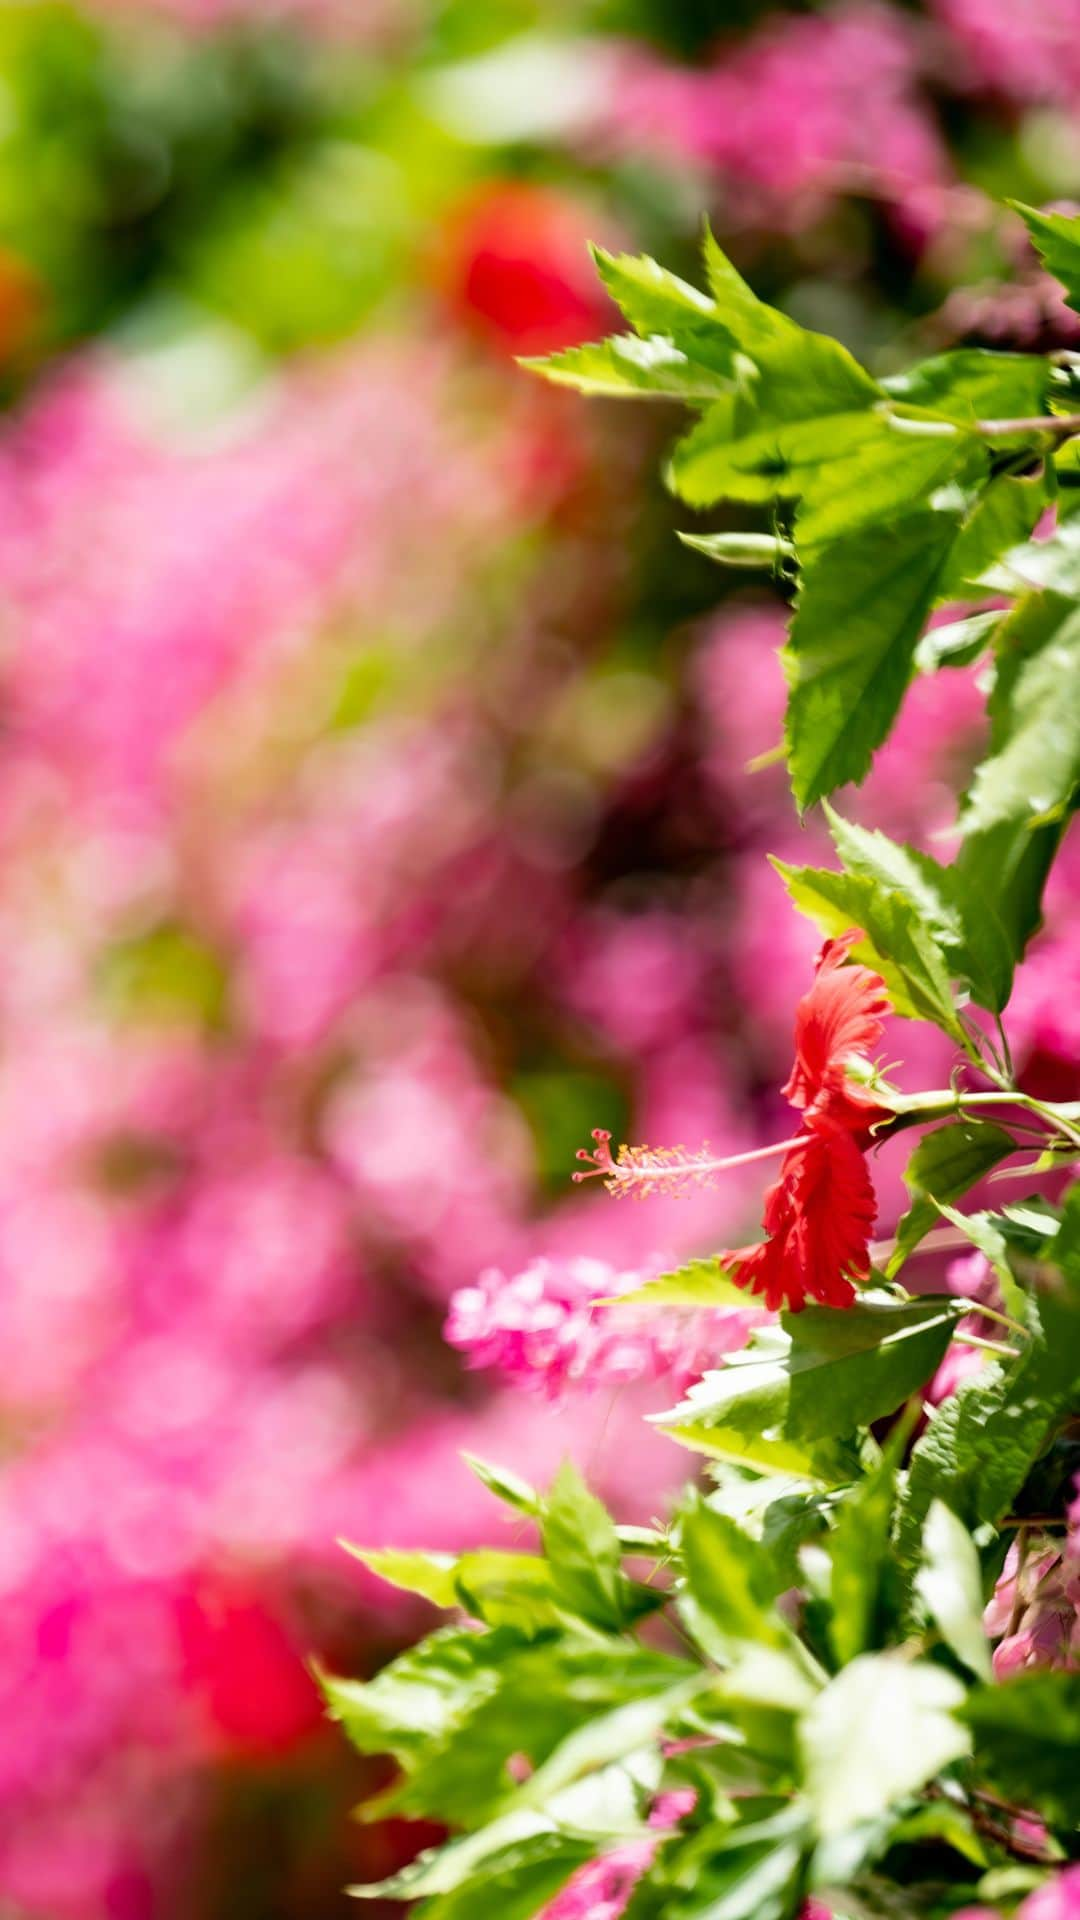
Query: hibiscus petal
x,y
838,1019
819,1215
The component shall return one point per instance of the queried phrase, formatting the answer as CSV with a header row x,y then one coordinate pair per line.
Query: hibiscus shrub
x,y
846,1669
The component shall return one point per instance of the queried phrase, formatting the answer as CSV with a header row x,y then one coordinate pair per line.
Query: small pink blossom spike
x,y
555,1326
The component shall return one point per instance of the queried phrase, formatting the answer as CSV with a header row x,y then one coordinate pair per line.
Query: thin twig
x,y
986,1346
1061,425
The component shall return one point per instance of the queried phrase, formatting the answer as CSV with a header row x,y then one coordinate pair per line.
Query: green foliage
x,y
800,1390
699,1283
1032,772
877,1732
949,1583
808,1652
1026,1737
981,1444
1057,237
863,602
583,1553
728,1584
943,1166
971,385
904,493
631,367
961,921
896,942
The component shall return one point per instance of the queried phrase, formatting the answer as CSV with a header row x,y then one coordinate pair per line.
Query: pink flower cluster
x,y
781,120
552,1326
1027,54
249,1133
1034,1614
255,1125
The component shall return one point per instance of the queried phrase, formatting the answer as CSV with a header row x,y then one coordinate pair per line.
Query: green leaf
x,y
789,1522
810,424
957,645
1003,516
981,1443
454,1710
431,1575
848,471
1057,240
422,1695
961,922
504,1484
860,1551
897,944
985,1234
1008,865
584,1555
1034,765
728,1583
894,472
509,1590
509,1880
1049,566
750,1872
629,367
504,1589
945,1821
974,384
1031,1226
698,1283
862,606
1066,1241
1027,1736
803,374
877,1733
943,1166
818,1377
947,1460
949,1584
621,1733
658,302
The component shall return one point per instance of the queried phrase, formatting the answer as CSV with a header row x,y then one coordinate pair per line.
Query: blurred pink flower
x,y
602,1889
780,117
1031,55
545,1327
1059,1899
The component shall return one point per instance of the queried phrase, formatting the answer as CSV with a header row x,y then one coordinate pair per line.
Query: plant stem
x,y
940,1240
1062,426
986,1346
1002,1319
939,1105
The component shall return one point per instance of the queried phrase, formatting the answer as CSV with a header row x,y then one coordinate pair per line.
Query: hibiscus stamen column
x,y
819,1212
641,1170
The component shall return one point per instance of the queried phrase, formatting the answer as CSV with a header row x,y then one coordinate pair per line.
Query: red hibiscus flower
x,y
818,1215
819,1212
837,1021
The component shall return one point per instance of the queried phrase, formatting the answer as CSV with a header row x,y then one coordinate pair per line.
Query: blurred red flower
x,y
246,1672
515,267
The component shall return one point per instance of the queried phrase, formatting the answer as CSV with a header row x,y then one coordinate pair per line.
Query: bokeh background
x,y
374,815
